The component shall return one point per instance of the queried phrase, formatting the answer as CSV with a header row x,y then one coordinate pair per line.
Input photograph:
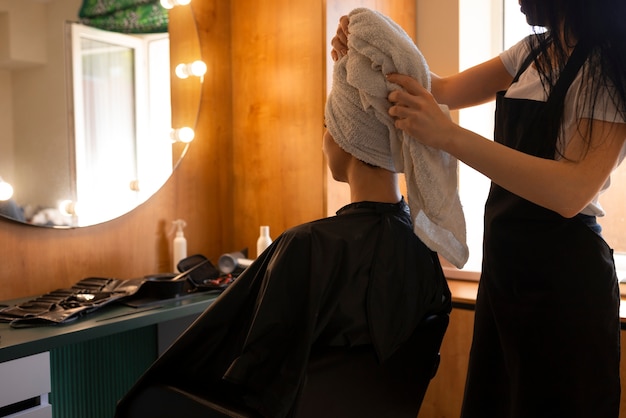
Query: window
x,y
486,28
121,120
480,38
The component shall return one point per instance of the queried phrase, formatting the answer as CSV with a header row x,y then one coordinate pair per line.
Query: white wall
x,y
6,124
40,109
20,47
22,40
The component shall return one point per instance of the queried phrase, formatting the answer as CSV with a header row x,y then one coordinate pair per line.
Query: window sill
x,y
456,274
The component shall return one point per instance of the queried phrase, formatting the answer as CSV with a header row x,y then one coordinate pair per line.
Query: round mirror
x,y
94,117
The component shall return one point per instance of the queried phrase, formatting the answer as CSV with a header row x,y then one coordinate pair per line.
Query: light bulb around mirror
x,y
184,134
6,190
181,71
134,185
169,4
69,208
197,68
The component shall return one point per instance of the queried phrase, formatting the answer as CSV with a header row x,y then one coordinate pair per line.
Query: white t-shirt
x,y
529,87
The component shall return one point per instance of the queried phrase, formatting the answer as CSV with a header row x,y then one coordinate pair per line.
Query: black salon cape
x,y
361,276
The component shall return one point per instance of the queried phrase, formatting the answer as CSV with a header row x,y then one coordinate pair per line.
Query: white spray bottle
x,y
264,240
179,247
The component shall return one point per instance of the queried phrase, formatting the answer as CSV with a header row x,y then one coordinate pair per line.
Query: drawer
x,y
42,411
24,386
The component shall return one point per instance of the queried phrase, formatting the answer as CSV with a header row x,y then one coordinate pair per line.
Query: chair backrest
x,y
352,383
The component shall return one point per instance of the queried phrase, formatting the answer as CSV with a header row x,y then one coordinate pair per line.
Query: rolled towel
x,y
357,118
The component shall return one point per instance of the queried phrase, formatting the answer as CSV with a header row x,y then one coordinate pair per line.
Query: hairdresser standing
x,y
546,336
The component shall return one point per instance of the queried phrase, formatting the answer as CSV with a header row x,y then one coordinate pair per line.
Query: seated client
x,y
360,278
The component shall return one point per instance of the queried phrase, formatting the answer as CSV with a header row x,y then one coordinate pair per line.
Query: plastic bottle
x,y
263,241
179,247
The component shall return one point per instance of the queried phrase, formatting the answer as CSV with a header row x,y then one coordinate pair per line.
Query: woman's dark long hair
x,y
599,23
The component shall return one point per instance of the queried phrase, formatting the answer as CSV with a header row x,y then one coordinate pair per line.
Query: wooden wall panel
x,y
278,93
444,397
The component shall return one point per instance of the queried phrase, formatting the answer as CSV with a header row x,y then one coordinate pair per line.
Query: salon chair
x,y
339,383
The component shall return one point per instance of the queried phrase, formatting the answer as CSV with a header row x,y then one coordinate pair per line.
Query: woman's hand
x,y
417,113
340,40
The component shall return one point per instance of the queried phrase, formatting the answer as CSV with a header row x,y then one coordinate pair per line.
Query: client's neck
x,y
374,184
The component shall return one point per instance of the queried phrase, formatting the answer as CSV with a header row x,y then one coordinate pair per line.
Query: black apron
x,y
546,333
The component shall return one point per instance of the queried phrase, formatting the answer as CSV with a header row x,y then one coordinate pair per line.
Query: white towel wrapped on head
x,y
357,117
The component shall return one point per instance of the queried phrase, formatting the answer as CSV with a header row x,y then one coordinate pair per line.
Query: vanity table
x,y
81,369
